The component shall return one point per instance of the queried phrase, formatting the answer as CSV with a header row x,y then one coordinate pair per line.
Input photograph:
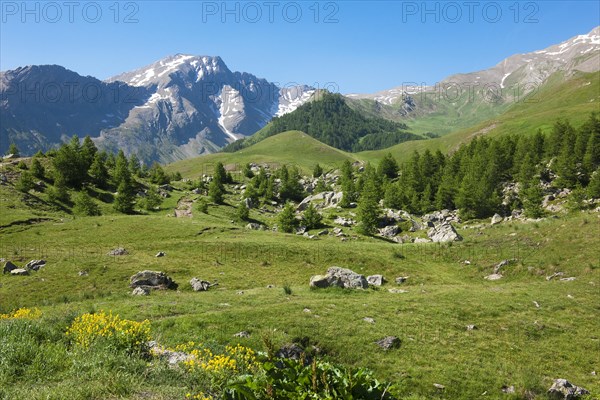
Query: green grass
x,y
289,148
516,343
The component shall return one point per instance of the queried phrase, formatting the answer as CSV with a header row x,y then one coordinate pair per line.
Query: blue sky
x,y
354,46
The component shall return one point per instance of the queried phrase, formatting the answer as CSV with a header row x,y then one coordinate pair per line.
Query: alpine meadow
x,y
183,230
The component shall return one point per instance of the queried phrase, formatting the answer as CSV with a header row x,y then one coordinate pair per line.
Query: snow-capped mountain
x,y
178,107
514,76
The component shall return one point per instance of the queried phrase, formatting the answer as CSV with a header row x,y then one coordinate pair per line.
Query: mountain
x,y
330,120
175,108
463,100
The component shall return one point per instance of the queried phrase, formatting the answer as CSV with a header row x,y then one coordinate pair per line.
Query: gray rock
x,y
344,221
199,285
397,291
496,219
119,251
152,280
294,352
493,277
563,389
554,275
443,232
248,203
141,291
172,357
569,279
401,279
422,240
389,342
472,327
346,278
19,271
389,231
369,320
161,254
508,389
340,277
439,386
319,281
35,265
8,267
323,232
501,264
376,280
83,273
242,334
255,227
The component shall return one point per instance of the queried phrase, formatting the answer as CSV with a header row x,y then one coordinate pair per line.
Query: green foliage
x,y
247,171
368,208
125,197
242,213
157,175
153,200
25,182
203,205
317,171
37,169
347,183
286,219
85,205
291,188
311,217
69,164
532,199
216,192
388,167
58,192
135,165
22,165
88,152
98,171
220,175
594,186
13,149
321,187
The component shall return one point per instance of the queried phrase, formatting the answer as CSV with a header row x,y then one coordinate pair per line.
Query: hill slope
x,y
293,147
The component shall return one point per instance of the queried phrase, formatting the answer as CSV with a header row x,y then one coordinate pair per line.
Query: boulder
x,y
119,251
422,240
376,280
443,232
35,265
152,280
200,286
9,267
253,226
172,357
496,219
389,231
563,389
493,277
319,281
340,277
294,352
141,291
344,221
346,278
389,342
242,334
161,254
19,271
401,279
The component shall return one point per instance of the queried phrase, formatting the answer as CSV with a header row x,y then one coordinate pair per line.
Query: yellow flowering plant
x,y
125,334
22,313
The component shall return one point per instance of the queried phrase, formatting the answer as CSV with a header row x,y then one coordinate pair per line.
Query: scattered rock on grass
x,y
389,342
563,389
376,280
369,320
83,273
341,277
141,291
35,265
443,232
472,327
508,389
397,291
119,251
9,267
242,334
401,279
19,271
152,280
201,286
161,254
439,386
493,277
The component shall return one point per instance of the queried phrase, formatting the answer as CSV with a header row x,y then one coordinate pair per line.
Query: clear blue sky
x,y
360,46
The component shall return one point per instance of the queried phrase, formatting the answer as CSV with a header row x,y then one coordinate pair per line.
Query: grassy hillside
x,y
292,147
573,99
516,343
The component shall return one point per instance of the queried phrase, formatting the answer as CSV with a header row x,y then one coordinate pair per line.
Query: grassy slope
x,y
516,343
574,100
291,147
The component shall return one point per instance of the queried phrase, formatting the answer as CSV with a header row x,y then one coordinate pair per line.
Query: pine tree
x,y
203,205
121,171
220,175
68,164
58,192
242,213
13,149
347,183
532,199
311,217
566,166
157,175
134,165
591,158
215,192
88,152
247,171
317,171
593,189
85,205
286,219
427,200
25,182
37,169
291,188
368,208
98,171
124,199
153,200
393,196
388,167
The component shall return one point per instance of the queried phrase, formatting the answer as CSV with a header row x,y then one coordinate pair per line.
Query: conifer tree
x,y
286,219
88,152
388,167
311,217
593,189
216,192
13,149
85,205
242,213
317,171
125,196
98,171
37,169
368,208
